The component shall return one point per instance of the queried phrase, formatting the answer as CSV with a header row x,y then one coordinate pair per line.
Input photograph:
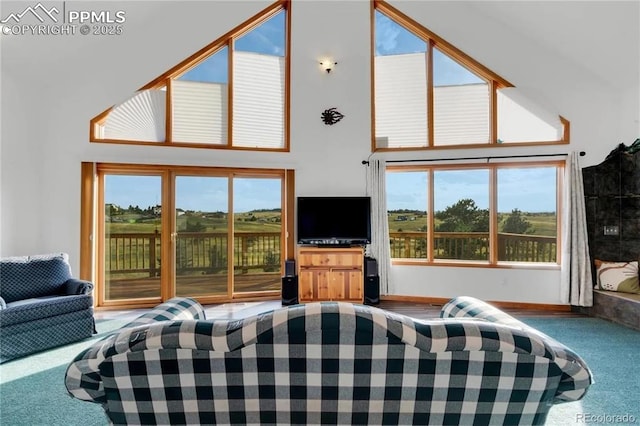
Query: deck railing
x,y
474,246
195,252
207,252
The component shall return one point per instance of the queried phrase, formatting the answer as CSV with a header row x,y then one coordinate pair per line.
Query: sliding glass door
x,y
201,235
177,231
131,236
257,234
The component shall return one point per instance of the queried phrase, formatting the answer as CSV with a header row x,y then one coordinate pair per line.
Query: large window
x,y
429,94
231,94
189,231
476,214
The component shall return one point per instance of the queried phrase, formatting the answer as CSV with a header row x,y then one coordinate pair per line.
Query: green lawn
x,y
416,221
198,222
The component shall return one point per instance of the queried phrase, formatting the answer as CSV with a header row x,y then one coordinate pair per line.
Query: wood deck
x,y
193,285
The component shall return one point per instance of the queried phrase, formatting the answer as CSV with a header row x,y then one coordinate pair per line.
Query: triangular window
x,y
429,94
230,94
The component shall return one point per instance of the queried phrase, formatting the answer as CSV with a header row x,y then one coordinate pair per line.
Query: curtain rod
x,y
582,154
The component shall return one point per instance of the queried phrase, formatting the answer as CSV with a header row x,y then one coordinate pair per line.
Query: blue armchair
x,y
41,305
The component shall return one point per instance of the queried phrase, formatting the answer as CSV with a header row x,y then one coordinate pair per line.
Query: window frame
x,y
495,83
165,80
493,168
92,257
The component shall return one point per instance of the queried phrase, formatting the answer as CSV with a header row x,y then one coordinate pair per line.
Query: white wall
x,y
20,163
328,158
630,114
522,285
45,129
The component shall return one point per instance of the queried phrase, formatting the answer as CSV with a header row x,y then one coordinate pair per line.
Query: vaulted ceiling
x,y
602,37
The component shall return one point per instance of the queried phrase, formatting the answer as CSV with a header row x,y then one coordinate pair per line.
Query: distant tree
x,y
134,209
516,224
463,216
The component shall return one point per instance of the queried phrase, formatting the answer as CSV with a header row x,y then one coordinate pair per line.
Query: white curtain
x,y
379,248
576,285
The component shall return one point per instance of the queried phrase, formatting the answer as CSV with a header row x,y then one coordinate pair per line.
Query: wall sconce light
x,y
328,64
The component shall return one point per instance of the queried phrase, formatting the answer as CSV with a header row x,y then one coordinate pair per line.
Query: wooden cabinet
x,y
330,274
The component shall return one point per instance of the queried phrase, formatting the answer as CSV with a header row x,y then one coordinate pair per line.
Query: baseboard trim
x,y
500,304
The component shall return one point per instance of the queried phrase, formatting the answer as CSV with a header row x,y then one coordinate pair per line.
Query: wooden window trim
x,y
495,81
92,218
87,220
193,60
290,208
493,168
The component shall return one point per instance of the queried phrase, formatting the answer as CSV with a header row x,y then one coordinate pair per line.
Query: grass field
x,y
262,221
270,221
416,221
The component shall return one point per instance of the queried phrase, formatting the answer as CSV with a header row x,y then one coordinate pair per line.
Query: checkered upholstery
x,y
576,376
83,375
321,363
45,307
174,309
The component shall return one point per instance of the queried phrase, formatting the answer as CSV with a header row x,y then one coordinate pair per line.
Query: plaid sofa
x,y
330,363
41,305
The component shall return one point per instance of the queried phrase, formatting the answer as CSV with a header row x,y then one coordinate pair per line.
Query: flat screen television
x,y
334,220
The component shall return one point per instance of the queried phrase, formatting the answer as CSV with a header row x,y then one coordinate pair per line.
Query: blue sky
x,y
267,38
194,193
392,39
405,190
408,190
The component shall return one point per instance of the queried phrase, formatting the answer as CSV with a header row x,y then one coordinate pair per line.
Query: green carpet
x,y
32,389
612,352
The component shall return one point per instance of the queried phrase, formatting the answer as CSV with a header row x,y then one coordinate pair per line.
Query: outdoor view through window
x,y
526,216
134,239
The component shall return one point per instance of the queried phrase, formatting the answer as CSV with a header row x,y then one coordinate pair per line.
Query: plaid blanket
x,y
324,363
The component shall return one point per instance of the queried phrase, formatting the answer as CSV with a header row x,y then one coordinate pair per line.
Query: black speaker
x,y
289,268
372,290
289,290
370,267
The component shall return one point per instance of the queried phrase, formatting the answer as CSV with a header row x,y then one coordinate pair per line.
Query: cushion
x,y
27,310
27,277
75,286
617,276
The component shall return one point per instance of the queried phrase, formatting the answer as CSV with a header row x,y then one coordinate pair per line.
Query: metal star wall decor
x,y
331,116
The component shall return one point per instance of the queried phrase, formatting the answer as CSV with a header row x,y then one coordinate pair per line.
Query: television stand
x,y
331,273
